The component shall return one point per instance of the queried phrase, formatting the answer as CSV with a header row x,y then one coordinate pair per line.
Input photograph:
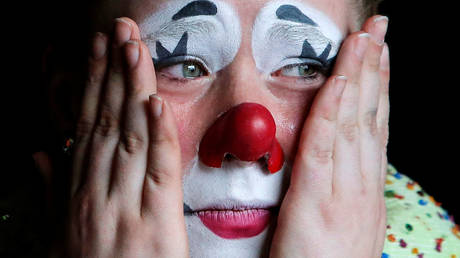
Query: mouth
x,y
234,220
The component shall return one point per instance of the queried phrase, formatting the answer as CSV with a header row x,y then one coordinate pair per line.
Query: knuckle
x,y
348,129
164,140
84,127
328,210
374,65
132,142
326,115
94,78
159,177
369,122
107,124
82,205
320,155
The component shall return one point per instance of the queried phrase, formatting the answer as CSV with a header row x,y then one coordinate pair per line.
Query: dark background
x,y
423,95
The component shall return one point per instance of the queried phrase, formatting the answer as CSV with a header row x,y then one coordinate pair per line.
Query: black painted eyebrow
x,y
179,50
196,8
291,13
309,52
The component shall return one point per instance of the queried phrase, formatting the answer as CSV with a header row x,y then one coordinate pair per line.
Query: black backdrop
x,y
423,97
423,121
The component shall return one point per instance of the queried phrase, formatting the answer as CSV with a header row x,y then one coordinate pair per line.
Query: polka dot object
x,y
417,225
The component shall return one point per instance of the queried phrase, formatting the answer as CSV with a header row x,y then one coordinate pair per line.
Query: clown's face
x,y
213,55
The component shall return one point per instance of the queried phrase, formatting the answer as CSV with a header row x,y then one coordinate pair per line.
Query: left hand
x,y
335,204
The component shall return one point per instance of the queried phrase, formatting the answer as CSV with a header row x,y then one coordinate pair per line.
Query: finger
x,y
162,184
383,112
313,169
347,175
370,140
134,135
97,67
107,128
135,32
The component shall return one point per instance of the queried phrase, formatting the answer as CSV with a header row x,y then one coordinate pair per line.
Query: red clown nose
x,y
246,131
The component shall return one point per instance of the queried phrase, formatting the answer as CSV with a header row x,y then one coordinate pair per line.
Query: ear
x,y
55,107
44,165
63,83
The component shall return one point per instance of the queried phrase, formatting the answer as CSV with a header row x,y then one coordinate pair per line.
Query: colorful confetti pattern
x,y
417,225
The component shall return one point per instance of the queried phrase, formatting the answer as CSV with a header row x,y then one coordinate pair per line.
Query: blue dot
x,y
397,175
384,255
446,216
422,202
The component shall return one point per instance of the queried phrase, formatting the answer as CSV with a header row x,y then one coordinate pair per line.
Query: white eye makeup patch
x,y
204,31
290,32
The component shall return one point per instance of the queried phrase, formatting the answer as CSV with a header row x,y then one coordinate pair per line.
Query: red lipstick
x,y
234,224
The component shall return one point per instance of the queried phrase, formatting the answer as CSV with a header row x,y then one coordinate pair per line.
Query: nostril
x,y
245,132
228,157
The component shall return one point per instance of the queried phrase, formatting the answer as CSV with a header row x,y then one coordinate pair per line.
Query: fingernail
x,y
361,44
385,58
340,82
157,104
99,45
122,33
132,53
122,20
380,29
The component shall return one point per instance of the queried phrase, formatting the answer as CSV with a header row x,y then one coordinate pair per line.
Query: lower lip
x,y
233,224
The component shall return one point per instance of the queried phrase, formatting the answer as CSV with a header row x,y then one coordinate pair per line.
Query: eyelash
x,y
181,60
319,69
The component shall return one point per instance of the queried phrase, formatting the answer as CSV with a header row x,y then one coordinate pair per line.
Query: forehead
x,y
337,10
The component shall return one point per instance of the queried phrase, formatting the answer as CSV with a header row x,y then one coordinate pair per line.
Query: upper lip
x,y
236,205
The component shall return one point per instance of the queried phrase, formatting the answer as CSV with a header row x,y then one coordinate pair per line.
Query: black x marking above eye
x,y
179,50
308,51
196,8
291,13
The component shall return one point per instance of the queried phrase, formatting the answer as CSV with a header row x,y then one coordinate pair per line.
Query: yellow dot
x,y
388,182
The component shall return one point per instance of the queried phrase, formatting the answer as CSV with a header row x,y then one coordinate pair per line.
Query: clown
x,y
224,128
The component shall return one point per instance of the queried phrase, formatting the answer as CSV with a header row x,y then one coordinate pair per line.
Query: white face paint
x,y
279,36
213,40
237,185
242,192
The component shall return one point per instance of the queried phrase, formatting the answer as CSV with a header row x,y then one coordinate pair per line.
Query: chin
x,y
205,243
232,211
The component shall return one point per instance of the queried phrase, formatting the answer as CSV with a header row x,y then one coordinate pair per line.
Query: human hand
x,y
335,204
126,190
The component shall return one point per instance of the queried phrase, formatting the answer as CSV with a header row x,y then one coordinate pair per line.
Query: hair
x,y
367,8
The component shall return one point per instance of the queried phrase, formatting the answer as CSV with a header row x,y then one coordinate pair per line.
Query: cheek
x,y
193,119
289,123
188,131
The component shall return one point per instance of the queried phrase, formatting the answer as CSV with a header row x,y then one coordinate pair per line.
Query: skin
x,y
129,163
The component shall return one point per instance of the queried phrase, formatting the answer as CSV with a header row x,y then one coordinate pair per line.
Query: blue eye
x,y
179,68
305,71
299,70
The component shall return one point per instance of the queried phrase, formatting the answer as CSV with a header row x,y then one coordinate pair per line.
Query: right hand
x,y
126,189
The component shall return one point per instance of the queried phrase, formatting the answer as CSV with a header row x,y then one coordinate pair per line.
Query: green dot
x,y
389,193
409,227
429,215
